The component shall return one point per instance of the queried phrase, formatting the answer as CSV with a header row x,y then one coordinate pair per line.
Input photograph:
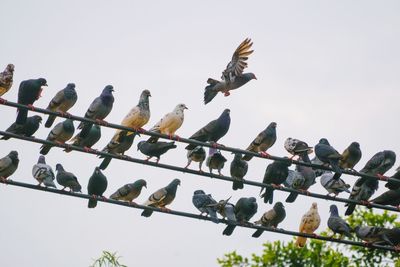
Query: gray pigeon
x,y
29,91
263,141
6,79
117,147
309,179
205,204
96,187
390,197
333,186
294,180
319,172
155,149
238,170
299,148
245,209
29,128
198,154
92,137
43,173
215,161
328,155
67,179
276,173
129,192
61,133
8,165
213,131
364,187
378,235
337,224
392,185
233,76
61,102
99,109
350,156
161,197
271,218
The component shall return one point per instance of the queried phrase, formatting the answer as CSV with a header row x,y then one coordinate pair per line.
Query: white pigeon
x,y
309,223
43,173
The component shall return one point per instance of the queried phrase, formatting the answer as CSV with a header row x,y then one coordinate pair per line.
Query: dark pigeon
x,y
96,187
245,209
238,170
276,173
29,91
28,129
155,149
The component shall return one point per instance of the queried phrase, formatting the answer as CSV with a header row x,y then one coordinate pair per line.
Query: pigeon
x,y
8,165
350,156
309,223
117,147
275,174
328,155
96,187
61,133
294,180
271,218
309,180
216,161
138,116
129,192
161,197
378,235
29,91
202,202
299,148
238,170
43,173
233,76
213,131
318,172
61,102
169,124
333,186
67,179
155,149
198,154
245,209
6,79
364,187
263,141
226,209
92,137
392,185
390,197
337,224
28,129
99,109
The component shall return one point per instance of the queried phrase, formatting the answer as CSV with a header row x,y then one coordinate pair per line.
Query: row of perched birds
x,y
276,174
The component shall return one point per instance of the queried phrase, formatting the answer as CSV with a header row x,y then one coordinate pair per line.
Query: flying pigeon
x,y
271,218
67,179
205,204
245,209
29,128
213,131
62,102
299,148
238,170
29,91
96,187
8,165
216,161
350,156
6,79
333,186
129,192
170,123
328,155
337,224
263,141
161,197
61,133
309,223
43,173
198,154
155,149
275,174
233,76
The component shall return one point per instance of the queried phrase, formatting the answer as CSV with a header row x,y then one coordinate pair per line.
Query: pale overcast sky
x,y
324,68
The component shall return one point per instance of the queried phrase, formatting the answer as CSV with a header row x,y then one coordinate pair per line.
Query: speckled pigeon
x,y
129,192
29,128
238,170
350,156
299,148
8,165
275,174
6,79
233,76
271,218
245,209
263,141
62,102
227,210
43,173
67,179
213,131
337,224
205,204
198,154
333,186
155,149
161,197
29,91
96,187
61,133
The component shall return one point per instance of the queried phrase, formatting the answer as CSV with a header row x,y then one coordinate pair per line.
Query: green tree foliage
x,y
108,259
321,253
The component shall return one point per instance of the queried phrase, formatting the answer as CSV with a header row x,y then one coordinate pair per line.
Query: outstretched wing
x,y
238,62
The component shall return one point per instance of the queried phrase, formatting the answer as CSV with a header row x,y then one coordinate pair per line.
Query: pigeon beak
x,y
45,84
186,107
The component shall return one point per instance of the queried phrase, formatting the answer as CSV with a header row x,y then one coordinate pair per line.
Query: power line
x,y
195,216
190,141
203,174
